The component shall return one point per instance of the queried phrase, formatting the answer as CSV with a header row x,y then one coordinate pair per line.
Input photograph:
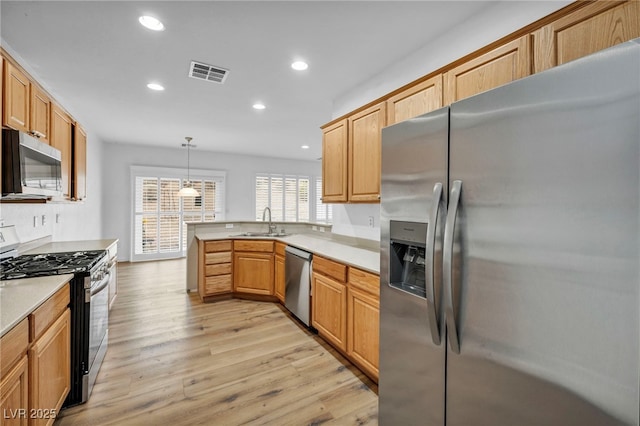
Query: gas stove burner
x,y
37,265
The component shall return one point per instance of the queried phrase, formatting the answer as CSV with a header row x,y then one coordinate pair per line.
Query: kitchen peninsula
x,y
345,294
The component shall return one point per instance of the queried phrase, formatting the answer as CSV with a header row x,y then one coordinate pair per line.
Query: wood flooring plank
x,y
177,361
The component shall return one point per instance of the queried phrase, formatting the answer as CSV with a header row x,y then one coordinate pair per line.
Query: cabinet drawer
x,y
280,248
250,245
214,246
218,284
364,281
214,258
48,312
330,268
13,345
219,269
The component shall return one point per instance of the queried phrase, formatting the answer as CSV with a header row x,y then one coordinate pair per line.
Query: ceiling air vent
x,y
207,72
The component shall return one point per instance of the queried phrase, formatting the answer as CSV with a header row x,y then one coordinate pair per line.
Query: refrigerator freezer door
x,y
546,248
414,162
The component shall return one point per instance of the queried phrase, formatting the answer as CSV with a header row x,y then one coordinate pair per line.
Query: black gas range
x,y
40,265
89,303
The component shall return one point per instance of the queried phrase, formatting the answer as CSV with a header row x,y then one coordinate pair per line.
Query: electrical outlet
x,y
44,219
321,229
57,217
229,225
314,228
371,223
35,221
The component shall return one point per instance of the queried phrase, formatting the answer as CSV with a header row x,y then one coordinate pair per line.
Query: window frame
x,y
173,173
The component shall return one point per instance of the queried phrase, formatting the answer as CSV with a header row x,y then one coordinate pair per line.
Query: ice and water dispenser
x,y
407,260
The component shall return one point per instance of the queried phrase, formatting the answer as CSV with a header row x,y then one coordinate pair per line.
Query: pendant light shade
x,y
188,190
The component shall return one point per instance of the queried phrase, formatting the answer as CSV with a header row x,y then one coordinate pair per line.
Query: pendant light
x,y
188,190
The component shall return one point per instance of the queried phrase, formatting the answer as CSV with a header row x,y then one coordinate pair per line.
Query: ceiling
x,y
96,59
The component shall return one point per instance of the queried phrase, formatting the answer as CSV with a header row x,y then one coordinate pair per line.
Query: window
x,y
324,212
289,198
160,216
286,196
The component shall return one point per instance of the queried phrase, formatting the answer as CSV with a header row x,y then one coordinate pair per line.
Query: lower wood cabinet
x,y
49,371
329,310
35,363
14,394
280,283
215,268
253,267
363,321
14,378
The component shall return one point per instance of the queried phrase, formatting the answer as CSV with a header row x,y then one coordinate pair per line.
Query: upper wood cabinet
x,y
61,138
594,27
365,148
16,98
416,100
26,106
495,68
79,163
334,163
40,118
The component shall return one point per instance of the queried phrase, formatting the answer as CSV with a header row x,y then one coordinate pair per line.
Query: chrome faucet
x,y
272,227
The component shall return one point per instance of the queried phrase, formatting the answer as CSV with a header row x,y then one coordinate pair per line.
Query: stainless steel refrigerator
x,y
513,217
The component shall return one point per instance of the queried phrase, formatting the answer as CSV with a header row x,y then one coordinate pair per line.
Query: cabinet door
x,y
334,163
363,328
49,367
365,147
329,310
16,98
61,131
594,27
280,279
495,68
79,163
253,273
14,394
416,100
40,114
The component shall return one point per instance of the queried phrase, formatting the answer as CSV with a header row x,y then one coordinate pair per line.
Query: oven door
x,y
98,329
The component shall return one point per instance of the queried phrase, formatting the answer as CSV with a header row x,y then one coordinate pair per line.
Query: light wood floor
x,y
176,361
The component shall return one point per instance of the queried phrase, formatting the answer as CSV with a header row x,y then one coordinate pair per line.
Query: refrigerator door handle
x,y
430,265
447,261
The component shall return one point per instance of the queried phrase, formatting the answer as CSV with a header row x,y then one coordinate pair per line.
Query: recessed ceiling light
x,y
155,86
151,23
258,105
305,147
299,65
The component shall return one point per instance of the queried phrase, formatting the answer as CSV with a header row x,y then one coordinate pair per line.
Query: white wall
x,y
498,21
78,220
240,181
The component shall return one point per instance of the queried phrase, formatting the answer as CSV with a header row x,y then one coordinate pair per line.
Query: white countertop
x,y
64,246
18,298
368,260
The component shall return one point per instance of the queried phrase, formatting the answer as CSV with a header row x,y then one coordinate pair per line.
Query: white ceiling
x,y
96,59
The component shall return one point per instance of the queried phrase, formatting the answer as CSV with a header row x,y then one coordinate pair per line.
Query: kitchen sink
x,y
261,234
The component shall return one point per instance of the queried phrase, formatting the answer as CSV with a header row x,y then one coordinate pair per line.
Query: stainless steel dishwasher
x,y
298,283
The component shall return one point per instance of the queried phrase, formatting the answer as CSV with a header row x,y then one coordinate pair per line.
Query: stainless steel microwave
x,y
30,168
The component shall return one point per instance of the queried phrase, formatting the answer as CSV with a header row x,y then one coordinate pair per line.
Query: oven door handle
x,y
102,285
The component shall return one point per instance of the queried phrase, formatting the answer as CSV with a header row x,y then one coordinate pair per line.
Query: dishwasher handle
x,y
299,253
